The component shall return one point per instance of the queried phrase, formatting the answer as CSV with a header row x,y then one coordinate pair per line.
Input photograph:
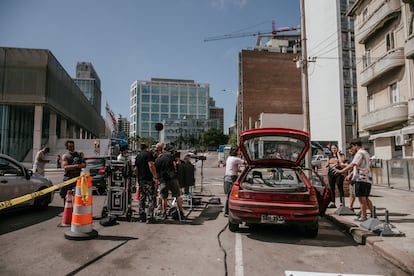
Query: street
x,y
33,244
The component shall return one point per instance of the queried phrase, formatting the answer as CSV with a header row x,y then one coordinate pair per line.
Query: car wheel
x,y
233,227
42,202
311,231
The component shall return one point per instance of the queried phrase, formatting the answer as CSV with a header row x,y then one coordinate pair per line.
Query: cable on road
x,y
222,249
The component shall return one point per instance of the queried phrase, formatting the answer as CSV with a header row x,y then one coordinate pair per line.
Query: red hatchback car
x,y
274,188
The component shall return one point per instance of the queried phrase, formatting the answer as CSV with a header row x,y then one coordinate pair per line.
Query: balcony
x,y
411,108
385,117
391,60
409,47
386,11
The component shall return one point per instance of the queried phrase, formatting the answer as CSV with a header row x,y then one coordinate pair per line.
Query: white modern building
x,y
331,72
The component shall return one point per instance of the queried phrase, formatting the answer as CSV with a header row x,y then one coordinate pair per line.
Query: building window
x,y
390,41
395,97
365,15
366,58
370,103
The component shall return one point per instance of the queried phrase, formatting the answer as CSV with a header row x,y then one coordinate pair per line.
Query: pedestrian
x,y
58,161
348,178
166,171
185,171
40,161
148,182
233,163
360,166
124,158
72,163
336,179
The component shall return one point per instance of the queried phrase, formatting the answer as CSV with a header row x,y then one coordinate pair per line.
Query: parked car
x,y
317,160
273,188
16,180
98,168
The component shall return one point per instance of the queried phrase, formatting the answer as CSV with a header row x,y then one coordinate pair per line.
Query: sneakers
x,y
163,216
331,205
360,219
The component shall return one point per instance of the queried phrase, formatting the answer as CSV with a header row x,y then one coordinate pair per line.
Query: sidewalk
x,y
396,245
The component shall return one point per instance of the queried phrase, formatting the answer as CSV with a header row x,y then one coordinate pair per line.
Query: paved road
x,y
33,244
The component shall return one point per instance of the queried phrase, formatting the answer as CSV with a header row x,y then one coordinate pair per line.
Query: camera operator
x,y
72,163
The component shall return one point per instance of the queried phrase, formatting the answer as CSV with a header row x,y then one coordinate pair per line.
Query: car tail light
x,y
312,195
101,170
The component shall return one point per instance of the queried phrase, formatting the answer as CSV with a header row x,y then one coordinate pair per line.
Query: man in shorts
x,y
361,177
167,174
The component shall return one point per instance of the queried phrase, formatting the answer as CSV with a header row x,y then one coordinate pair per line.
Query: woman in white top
x,y
233,163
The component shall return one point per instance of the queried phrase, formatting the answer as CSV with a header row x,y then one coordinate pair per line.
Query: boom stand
x,y
201,176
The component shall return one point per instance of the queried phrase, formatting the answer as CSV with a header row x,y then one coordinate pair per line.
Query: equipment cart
x,y
118,193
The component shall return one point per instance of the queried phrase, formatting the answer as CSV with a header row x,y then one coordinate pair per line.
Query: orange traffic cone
x,y
67,213
81,225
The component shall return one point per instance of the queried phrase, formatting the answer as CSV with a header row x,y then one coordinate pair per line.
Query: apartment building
x,y
384,46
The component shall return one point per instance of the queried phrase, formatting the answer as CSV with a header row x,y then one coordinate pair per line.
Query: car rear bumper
x,y
251,212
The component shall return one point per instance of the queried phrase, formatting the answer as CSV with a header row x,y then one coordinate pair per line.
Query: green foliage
x,y
213,138
233,140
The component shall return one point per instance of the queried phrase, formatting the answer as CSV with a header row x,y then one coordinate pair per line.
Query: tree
x,y
233,140
213,138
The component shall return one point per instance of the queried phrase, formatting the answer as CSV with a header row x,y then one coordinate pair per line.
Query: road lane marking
x,y
238,256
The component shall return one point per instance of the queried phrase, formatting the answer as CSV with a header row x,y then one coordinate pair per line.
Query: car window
x,y
8,168
95,162
274,147
273,178
314,178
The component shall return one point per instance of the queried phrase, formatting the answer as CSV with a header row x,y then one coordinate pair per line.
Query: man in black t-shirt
x,y
72,163
148,181
165,165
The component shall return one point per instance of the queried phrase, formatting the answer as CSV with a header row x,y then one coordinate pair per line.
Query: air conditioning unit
x,y
402,139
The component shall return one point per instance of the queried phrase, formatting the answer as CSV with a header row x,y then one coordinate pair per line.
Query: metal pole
x,y
408,175
305,88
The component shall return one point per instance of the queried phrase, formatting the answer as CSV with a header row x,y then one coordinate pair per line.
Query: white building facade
x,y
331,72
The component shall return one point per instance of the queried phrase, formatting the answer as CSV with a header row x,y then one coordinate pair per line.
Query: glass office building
x,y
161,100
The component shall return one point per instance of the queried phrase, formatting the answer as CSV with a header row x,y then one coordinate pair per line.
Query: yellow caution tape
x,y
18,200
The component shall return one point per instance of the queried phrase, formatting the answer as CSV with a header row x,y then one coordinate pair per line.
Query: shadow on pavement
x,y
20,218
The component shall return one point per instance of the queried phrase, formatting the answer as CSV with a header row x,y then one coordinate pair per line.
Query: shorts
x,y
40,171
170,185
362,189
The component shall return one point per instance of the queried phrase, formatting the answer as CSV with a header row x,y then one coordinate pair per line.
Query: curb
x,y
362,236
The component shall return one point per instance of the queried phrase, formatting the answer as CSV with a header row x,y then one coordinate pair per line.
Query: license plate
x,y
272,219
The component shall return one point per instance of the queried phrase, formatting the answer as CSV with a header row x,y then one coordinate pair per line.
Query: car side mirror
x,y
29,174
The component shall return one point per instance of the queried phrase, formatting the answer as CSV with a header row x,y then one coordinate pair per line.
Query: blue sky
x,y
128,40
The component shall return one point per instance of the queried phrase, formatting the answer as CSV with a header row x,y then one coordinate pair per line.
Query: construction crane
x,y
258,34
